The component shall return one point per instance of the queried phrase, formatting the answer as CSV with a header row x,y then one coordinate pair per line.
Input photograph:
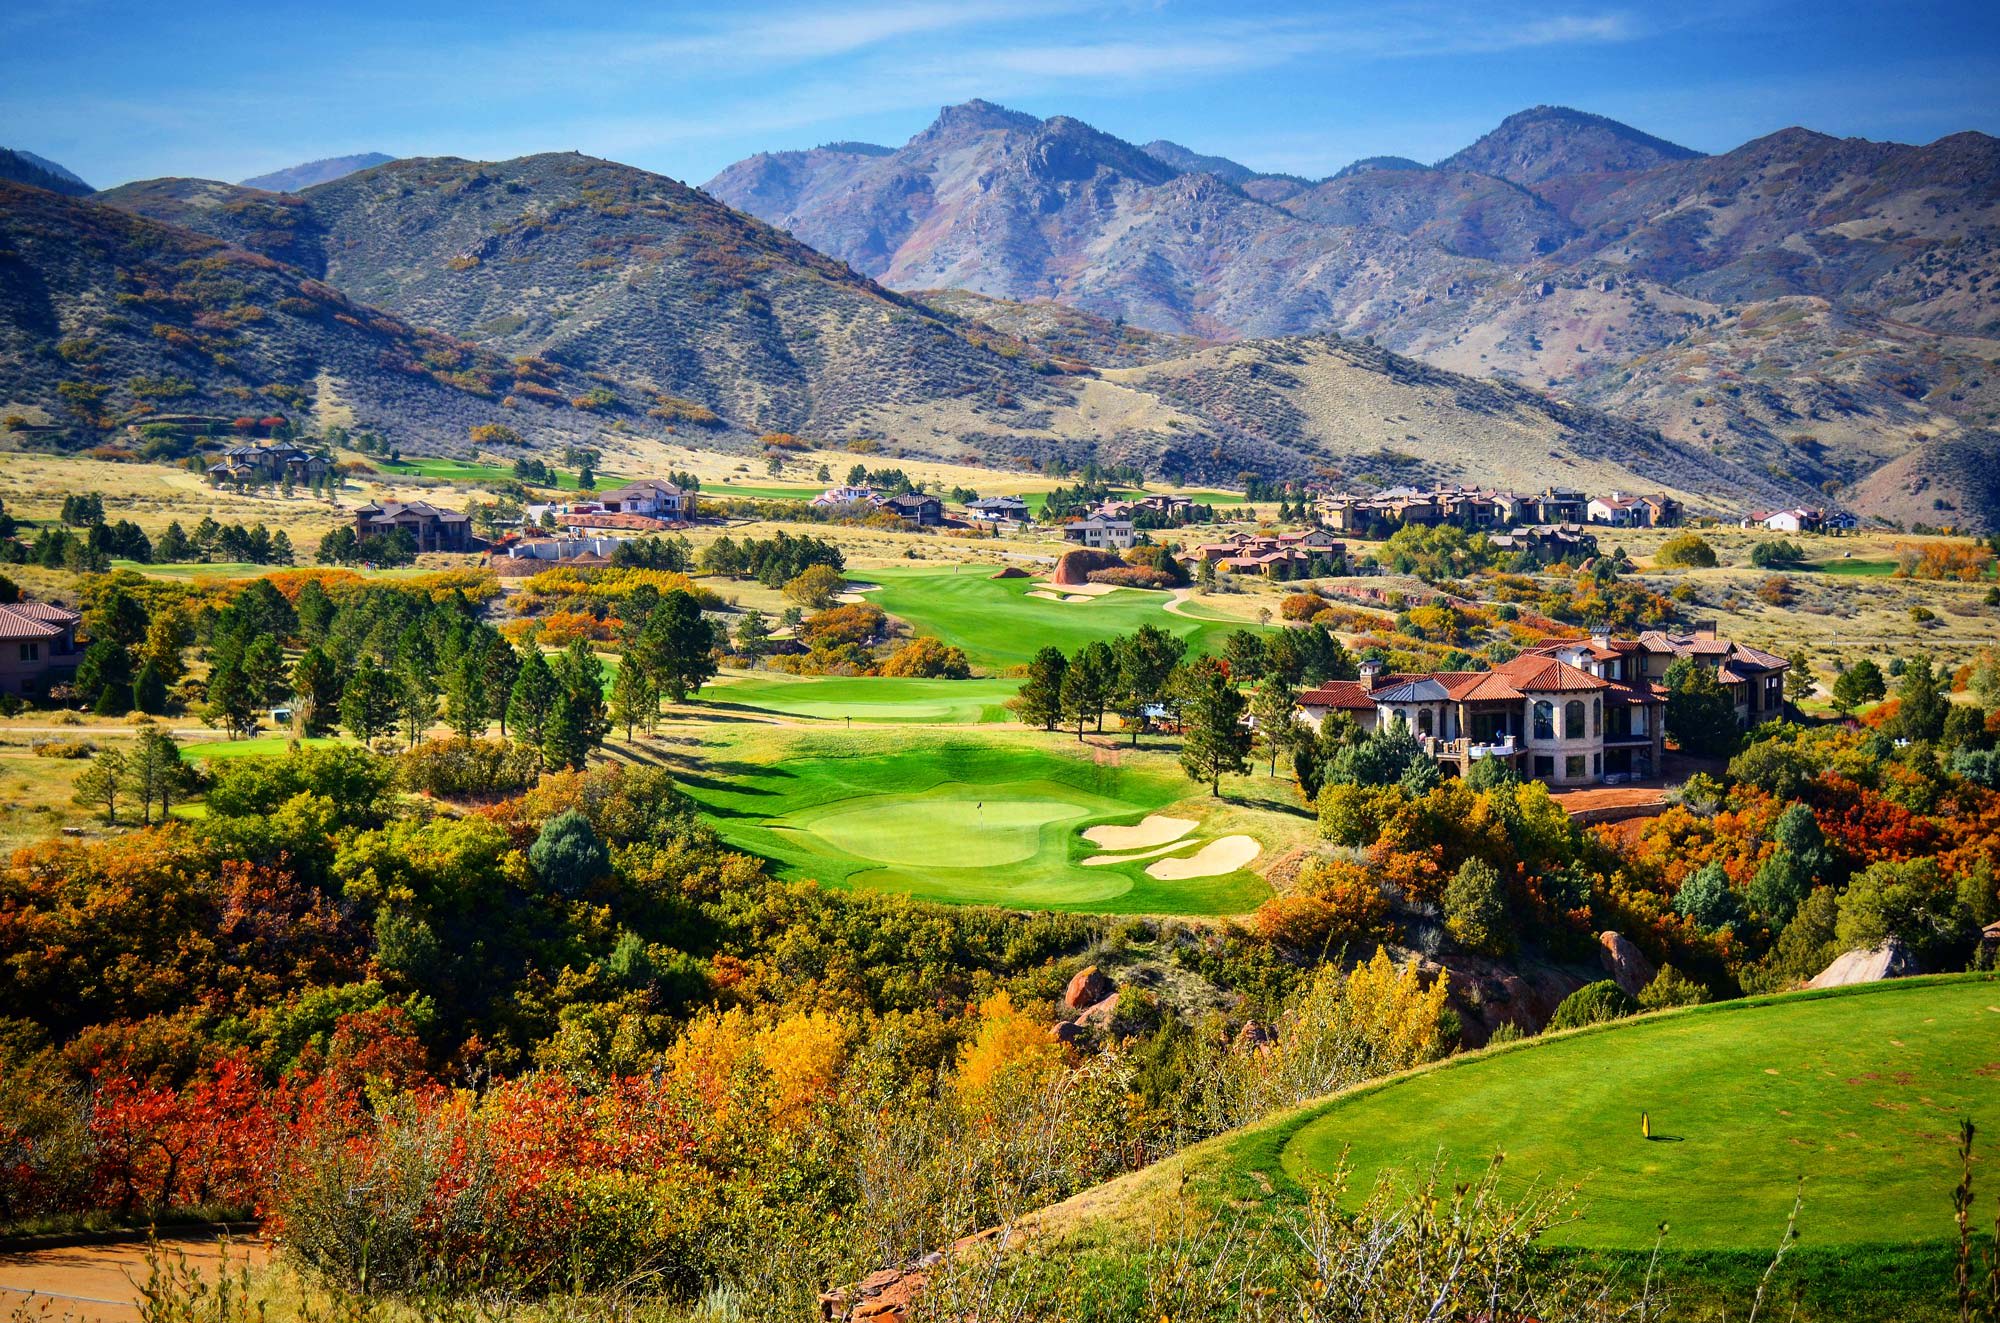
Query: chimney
x,y
1600,636
1371,670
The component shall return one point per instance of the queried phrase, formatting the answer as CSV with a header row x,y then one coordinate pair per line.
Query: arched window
x,y
1545,720
1424,721
1573,719
1597,716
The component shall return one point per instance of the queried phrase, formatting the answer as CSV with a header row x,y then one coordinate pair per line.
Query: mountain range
x,y
1809,306
1742,328
293,178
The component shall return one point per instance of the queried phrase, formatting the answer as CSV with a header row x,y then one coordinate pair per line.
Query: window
x,y
1545,720
1597,764
1545,768
1573,719
1597,716
31,652
1424,721
1573,767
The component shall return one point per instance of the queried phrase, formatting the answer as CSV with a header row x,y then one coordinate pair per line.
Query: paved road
x,y
102,1283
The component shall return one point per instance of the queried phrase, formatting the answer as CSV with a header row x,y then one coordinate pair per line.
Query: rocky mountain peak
x,y
1550,142
1370,164
974,117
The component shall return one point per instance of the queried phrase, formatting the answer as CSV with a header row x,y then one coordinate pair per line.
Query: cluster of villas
x,y
1568,712
650,505
1485,510
916,508
1280,555
278,462
1800,520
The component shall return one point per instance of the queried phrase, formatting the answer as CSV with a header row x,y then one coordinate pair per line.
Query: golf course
x,y
1000,624
1856,1092
996,821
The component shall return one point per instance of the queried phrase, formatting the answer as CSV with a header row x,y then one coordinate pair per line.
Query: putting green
x,y
995,821
838,698
951,826
1858,1093
1000,625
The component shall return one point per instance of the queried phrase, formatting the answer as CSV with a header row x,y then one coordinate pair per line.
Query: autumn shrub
x,y
927,658
1333,905
1593,1003
1301,606
458,768
1685,551
1132,576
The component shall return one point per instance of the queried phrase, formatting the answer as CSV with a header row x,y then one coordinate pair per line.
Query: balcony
x,y
1468,750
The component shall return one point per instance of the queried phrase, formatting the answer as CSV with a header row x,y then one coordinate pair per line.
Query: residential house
x,y
1561,505
653,497
1548,542
431,527
37,648
1619,511
1787,521
920,509
846,496
1755,679
1663,511
998,507
1106,534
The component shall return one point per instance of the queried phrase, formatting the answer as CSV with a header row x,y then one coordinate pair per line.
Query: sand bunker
x,y
851,593
1086,590
1099,860
1049,596
1212,860
1155,830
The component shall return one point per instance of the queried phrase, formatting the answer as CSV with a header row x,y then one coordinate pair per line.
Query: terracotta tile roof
x,y
22,621
643,523
1338,693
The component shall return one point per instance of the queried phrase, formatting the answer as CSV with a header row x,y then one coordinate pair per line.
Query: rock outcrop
x,y
1076,565
1890,960
1089,987
1626,963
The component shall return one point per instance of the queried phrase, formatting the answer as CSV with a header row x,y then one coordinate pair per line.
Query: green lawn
x,y
838,698
459,470
226,569
722,491
999,625
255,747
995,821
1859,1093
1872,569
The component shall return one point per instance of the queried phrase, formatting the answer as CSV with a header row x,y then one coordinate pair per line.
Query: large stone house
x,y
431,527
37,648
998,507
1103,534
920,509
1569,713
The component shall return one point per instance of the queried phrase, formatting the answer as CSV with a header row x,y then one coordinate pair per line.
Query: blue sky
x,y
120,91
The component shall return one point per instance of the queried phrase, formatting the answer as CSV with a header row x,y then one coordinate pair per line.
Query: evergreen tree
x,y
580,674
1073,695
231,699
1922,703
753,633
1213,738
1701,716
676,647
533,697
368,703
1274,708
315,693
466,708
104,678
102,784
632,698
1799,682
281,548
149,690
1039,700
1097,664
172,548
1858,684
499,664
564,744
1146,662
156,773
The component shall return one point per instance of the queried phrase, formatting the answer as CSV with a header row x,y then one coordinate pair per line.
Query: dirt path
x,y
102,1283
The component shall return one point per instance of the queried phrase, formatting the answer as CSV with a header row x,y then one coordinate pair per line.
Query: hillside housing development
x,y
1489,510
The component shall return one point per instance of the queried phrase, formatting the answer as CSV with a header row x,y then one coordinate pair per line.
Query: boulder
x,y
1065,1032
1010,572
1890,960
1100,1016
1089,987
1076,564
1626,963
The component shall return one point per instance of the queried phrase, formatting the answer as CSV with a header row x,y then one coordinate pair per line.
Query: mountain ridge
x,y
293,178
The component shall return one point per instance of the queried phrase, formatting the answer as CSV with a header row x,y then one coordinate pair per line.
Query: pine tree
x,y
157,773
466,708
1274,708
368,703
1213,738
632,699
563,741
281,548
102,784
1146,661
315,693
1799,682
675,647
231,700
1039,701
1073,695
533,697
